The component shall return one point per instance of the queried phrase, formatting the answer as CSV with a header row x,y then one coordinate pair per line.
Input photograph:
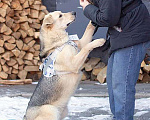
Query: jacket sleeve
x,y
106,15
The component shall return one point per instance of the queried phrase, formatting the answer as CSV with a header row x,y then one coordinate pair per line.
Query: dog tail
x,y
48,112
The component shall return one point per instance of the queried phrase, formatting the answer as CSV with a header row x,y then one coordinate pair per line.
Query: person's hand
x,y
84,3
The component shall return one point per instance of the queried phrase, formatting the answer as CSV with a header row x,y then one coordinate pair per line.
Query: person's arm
x,y
107,15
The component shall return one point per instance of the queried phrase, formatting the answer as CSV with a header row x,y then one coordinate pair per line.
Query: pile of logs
x,y
20,22
144,75
95,70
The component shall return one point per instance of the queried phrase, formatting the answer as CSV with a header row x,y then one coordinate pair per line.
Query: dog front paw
x,y
98,42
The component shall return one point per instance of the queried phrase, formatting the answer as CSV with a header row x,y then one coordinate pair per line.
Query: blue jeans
x,y
122,75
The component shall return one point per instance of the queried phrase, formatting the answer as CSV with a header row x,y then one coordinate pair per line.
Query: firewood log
x,y
1,43
22,74
101,77
19,44
6,55
3,75
9,46
16,82
91,64
2,50
11,62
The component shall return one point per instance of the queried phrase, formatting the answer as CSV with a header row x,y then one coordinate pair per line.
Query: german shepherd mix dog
x,y
50,98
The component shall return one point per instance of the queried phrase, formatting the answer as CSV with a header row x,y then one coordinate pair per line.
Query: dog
x,y
51,96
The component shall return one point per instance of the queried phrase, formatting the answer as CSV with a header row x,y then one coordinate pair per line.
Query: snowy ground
x,y
80,108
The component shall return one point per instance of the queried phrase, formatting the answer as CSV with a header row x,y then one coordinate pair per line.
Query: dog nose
x,y
74,13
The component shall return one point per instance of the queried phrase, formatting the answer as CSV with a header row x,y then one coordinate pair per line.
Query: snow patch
x,y
142,104
97,117
141,113
34,83
100,84
80,88
82,104
14,108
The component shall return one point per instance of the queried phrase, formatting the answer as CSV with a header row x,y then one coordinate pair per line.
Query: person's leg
x,y
109,83
125,72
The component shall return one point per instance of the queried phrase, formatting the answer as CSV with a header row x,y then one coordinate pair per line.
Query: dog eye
x,y
60,16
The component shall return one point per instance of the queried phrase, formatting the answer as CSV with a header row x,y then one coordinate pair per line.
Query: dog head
x,y
58,20
53,30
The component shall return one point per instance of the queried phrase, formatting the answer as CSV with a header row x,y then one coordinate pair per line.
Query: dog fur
x,y
50,98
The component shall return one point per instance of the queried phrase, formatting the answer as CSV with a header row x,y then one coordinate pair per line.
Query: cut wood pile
x,y
96,70
20,22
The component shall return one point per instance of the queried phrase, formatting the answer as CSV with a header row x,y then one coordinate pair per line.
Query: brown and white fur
x,y
57,93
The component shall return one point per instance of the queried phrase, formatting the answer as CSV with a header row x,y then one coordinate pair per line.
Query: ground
x,y
89,103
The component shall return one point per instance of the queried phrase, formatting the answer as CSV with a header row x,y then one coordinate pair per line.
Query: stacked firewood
x,y
20,22
95,70
144,75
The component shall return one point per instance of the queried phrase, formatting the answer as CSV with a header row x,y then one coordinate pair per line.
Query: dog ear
x,y
49,21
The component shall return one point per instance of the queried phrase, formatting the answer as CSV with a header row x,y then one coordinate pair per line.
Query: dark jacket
x,y
135,22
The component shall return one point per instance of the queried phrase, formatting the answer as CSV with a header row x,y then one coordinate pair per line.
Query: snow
x,y
142,104
82,104
97,117
80,88
100,83
97,83
14,108
141,113
34,83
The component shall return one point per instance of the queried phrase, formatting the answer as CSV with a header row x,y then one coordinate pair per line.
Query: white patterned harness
x,y
47,67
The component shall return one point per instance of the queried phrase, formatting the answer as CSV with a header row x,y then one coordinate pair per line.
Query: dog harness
x,y
47,67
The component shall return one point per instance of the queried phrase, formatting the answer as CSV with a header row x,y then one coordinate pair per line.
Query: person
x,y
128,23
